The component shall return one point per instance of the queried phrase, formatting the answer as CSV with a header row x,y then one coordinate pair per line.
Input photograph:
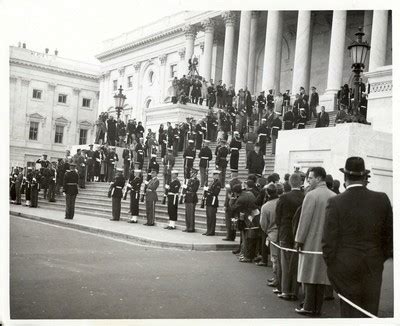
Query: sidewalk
x,y
138,233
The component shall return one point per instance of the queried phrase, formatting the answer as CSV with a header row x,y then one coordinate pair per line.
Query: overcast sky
x,y
77,27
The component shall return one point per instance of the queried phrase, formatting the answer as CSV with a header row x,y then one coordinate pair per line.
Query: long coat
x,y
312,267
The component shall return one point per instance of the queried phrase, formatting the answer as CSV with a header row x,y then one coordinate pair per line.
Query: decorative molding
x,y
380,87
76,91
25,82
146,40
42,67
137,66
182,53
208,25
13,78
190,31
121,71
229,17
85,124
37,117
163,59
51,86
62,121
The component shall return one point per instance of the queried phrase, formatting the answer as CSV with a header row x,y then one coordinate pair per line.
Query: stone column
x,y
301,69
76,92
182,65
163,60
209,27
271,50
277,84
243,50
190,35
230,20
377,57
336,52
136,103
367,29
252,50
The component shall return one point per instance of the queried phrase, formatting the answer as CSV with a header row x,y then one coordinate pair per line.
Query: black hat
x,y
355,166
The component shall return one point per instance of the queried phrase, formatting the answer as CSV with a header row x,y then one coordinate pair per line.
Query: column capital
x,y
25,82
137,66
13,78
182,53
163,59
51,86
208,25
77,91
121,71
190,31
229,17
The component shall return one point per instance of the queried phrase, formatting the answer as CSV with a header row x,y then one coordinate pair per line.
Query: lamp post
x,y
119,101
358,50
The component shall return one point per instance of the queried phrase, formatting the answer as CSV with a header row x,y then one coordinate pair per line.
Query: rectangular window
x,y
59,134
173,70
130,82
62,98
37,94
82,136
86,102
115,85
33,130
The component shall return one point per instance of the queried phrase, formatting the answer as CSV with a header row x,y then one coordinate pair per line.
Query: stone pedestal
x,y
330,147
174,113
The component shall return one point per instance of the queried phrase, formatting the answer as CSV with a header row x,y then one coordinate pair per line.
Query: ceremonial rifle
x,y
203,199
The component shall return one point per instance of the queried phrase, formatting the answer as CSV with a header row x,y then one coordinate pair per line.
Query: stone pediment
x,y
36,116
85,123
61,120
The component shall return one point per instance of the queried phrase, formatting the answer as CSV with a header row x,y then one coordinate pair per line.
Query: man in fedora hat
x,y
357,239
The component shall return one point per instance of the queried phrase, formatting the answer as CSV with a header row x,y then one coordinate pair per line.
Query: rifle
x,y
166,188
181,194
203,199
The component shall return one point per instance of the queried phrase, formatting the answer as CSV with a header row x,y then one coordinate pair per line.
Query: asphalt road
x,y
59,273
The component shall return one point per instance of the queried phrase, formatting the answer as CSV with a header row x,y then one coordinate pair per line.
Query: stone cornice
x,y
146,40
53,69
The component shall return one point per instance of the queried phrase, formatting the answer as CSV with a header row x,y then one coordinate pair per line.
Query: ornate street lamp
x,y
119,101
358,50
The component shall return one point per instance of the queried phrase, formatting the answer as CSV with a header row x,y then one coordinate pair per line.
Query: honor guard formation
x,y
302,225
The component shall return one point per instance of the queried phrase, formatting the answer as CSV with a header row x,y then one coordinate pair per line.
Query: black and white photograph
x,y
180,163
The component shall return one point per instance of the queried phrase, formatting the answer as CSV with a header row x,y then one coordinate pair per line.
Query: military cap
x,y
120,169
174,172
191,141
216,172
29,168
169,149
206,141
153,155
137,171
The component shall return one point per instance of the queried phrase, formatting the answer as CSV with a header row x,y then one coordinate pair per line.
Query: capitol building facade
x,y
261,50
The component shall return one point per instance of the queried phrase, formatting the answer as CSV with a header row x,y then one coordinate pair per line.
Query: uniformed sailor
x,y
205,156
212,193
262,135
173,199
191,200
221,161
115,192
234,147
70,188
151,197
189,156
134,184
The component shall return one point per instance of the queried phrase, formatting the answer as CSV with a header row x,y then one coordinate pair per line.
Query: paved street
x,y
62,273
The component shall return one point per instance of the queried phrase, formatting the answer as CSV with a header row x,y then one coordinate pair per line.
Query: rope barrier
x,y
339,295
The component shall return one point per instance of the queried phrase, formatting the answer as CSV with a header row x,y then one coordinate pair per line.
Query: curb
x,y
132,238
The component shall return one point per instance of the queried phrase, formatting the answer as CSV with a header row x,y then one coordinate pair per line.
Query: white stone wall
x,y
53,76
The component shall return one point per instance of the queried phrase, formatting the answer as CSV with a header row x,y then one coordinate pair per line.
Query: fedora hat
x,y
355,166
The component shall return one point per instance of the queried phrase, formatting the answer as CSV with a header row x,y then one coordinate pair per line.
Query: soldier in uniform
x,y
153,165
90,163
173,199
191,199
288,119
302,119
115,192
205,156
262,136
314,102
28,186
112,159
175,144
261,100
230,216
270,100
276,126
221,160
189,156
234,147
139,154
250,138
127,156
70,188
35,187
199,136
134,184
44,162
81,163
162,140
151,197
52,182
212,193
169,163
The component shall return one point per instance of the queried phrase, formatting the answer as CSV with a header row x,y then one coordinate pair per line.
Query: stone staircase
x,y
94,201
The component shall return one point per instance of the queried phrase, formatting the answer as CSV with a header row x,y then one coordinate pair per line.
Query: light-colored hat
x,y
120,170
216,172
191,141
137,171
153,155
174,172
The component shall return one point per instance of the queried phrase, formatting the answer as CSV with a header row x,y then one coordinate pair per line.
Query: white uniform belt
x,y
189,157
71,183
223,158
173,194
204,158
235,148
118,187
275,127
301,123
262,134
249,142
